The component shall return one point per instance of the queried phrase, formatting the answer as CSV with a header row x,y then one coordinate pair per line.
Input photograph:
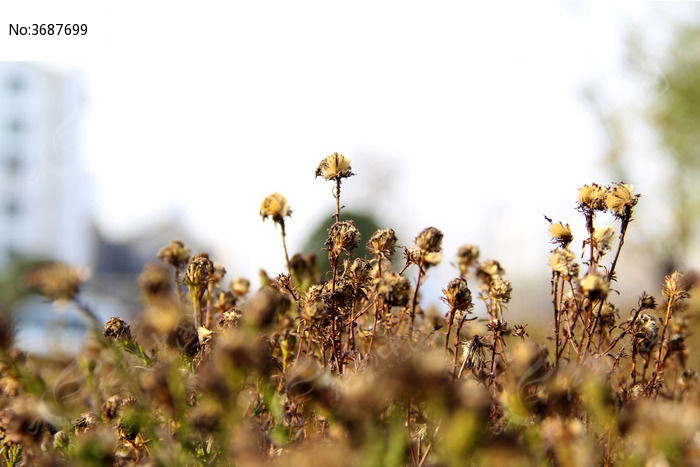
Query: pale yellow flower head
x,y
333,167
621,199
594,286
592,197
563,261
603,237
275,206
561,233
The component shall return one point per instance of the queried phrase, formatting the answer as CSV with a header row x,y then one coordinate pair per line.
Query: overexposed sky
x,y
468,118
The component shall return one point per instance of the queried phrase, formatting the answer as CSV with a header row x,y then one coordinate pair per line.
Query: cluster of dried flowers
x,y
354,369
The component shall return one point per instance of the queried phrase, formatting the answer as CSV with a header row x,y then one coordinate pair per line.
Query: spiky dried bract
x,y
594,286
394,289
621,199
117,329
276,207
56,281
647,302
343,237
382,243
430,240
458,295
592,197
334,167
198,271
563,261
175,254
561,234
467,256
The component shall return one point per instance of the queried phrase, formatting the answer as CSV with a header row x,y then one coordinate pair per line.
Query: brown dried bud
x,y
430,240
199,269
673,288
225,301
382,243
117,329
458,295
176,254
342,237
359,270
394,289
647,302
646,333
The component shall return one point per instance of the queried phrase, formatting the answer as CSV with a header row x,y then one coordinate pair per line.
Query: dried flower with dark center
x,y
620,199
155,280
175,254
563,261
594,286
647,302
467,256
117,329
343,237
646,334
430,240
382,243
275,206
334,167
394,289
240,286
561,234
457,295
592,197
56,281
198,271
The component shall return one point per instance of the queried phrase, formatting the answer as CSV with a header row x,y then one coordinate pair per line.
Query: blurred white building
x,y
45,194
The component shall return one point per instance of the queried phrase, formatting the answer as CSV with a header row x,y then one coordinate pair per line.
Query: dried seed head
x,y
382,243
217,274
394,289
343,295
85,423
359,270
467,256
117,329
56,281
314,306
432,258
230,319
429,240
343,237
175,254
592,197
561,234
488,270
563,261
603,237
155,280
334,167
198,271
275,206
620,199
240,286
646,333
458,295
608,315
673,288
500,289
594,286
647,302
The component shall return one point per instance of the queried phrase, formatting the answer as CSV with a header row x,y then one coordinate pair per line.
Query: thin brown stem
x,y
415,300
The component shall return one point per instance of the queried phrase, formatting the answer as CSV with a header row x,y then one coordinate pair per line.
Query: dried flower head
x,y
458,295
334,167
225,301
620,199
275,206
429,240
467,256
359,270
314,304
592,197
56,281
673,288
561,234
175,254
563,261
343,237
594,286
117,329
198,271
647,302
382,243
240,286
603,237
500,289
488,270
646,333
394,289
217,274
155,280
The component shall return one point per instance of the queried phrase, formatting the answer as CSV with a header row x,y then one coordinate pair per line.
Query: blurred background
x,y
478,121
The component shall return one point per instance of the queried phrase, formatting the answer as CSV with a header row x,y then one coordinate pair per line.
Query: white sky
x,y
472,116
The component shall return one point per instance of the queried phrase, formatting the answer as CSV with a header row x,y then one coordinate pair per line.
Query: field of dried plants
x,y
354,369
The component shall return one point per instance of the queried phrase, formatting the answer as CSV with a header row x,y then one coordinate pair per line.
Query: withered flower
x,y
56,281
343,237
594,286
561,234
467,255
382,243
673,287
620,199
275,206
563,261
430,240
458,295
175,254
117,329
592,197
334,167
646,333
155,280
240,286
394,289
198,271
